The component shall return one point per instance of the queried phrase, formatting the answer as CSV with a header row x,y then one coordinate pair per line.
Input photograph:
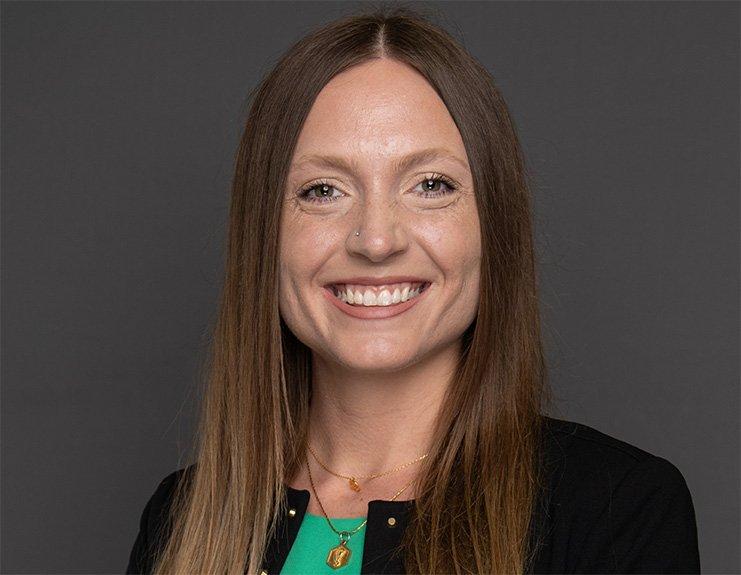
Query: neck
x,y
363,423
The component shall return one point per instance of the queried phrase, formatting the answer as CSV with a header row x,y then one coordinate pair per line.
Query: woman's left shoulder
x,y
629,510
583,451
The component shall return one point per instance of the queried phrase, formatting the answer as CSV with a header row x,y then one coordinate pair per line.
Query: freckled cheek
x,y
302,254
454,247
312,243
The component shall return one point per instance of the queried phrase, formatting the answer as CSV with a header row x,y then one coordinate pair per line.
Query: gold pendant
x,y
338,556
354,485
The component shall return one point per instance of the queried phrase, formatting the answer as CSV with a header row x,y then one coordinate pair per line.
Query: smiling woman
x,y
376,393
395,175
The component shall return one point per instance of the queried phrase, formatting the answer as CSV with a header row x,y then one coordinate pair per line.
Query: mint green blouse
x,y
315,538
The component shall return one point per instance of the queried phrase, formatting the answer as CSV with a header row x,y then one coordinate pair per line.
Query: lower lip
x,y
373,312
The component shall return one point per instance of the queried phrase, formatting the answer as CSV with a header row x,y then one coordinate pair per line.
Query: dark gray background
x,y
119,126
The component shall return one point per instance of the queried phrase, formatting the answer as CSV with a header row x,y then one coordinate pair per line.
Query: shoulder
x,y
580,454
621,506
162,495
154,523
161,500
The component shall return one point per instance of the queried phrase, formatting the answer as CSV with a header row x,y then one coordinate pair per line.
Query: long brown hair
x,y
476,492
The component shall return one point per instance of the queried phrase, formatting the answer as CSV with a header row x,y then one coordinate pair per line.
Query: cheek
x,y
290,261
470,250
457,248
303,247
458,253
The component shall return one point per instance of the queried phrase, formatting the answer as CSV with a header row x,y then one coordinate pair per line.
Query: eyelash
x,y
304,192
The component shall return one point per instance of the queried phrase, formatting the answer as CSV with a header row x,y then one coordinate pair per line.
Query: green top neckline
x,y
335,518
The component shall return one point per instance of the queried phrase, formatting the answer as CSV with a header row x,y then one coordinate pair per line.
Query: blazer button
x,y
391,521
291,513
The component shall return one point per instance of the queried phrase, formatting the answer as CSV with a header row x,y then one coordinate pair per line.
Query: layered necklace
x,y
339,555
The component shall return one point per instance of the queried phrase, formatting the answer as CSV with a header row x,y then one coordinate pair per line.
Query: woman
x,y
376,391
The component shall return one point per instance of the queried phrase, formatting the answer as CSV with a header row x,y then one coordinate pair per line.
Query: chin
x,y
377,359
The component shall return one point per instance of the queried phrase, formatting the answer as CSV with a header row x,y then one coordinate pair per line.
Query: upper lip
x,y
372,281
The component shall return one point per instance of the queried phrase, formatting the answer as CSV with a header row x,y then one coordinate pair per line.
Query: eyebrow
x,y
399,165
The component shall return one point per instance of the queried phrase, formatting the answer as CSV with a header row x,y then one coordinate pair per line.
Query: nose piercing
x,y
357,233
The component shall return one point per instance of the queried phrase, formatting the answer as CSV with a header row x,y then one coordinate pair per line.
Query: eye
x,y
323,189
431,186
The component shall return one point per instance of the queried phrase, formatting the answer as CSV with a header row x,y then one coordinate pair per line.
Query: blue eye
x,y
431,188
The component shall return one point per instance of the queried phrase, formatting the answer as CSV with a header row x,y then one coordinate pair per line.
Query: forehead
x,y
378,111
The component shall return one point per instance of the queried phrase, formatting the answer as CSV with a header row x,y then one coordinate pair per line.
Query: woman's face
x,y
372,117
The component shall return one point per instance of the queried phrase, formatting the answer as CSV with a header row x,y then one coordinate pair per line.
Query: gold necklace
x,y
340,555
353,479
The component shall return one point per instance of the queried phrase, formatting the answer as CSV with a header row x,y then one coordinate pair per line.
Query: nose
x,y
382,229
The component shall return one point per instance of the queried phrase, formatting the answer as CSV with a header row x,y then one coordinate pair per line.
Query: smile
x,y
381,296
394,299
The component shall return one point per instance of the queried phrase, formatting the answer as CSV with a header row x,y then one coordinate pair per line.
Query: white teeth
x,y
357,295
396,296
369,298
405,295
354,295
384,298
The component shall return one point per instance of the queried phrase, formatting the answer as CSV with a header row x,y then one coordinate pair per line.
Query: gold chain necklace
x,y
340,555
353,479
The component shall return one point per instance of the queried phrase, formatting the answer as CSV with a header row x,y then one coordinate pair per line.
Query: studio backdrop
x,y
120,122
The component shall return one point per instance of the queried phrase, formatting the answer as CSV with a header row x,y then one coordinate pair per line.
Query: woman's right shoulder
x,y
154,525
162,495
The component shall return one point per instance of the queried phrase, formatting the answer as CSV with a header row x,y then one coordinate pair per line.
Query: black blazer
x,y
610,507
